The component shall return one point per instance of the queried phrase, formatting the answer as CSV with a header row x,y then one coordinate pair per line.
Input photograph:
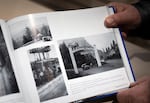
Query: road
x,y
53,89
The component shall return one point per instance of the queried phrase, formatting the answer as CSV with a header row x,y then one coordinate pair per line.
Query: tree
x,y
45,30
28,35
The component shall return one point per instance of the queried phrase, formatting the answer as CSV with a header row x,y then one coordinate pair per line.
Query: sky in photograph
x,y
30,21
101,41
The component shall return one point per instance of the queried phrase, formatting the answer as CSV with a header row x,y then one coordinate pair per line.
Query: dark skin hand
x,y
138,93
126,17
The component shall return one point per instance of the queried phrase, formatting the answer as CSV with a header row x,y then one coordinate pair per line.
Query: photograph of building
x,y
29,31
90,55
47,73
8,84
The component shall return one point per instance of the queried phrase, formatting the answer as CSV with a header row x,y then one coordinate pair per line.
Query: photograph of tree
x,y
31,30
8,84
47,73
90,55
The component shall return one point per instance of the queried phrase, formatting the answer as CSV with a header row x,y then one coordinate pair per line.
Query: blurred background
x,y
76,4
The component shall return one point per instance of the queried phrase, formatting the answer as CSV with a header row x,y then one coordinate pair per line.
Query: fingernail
x,y
111,21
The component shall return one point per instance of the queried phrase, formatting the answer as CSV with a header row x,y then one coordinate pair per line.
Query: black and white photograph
x,y
31,30
90,55
8,84
47,73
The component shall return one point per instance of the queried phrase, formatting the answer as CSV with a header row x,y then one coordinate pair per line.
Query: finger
x,y
115,20
132,84
135,84
143,79
110,22
139,81
123,97
124,35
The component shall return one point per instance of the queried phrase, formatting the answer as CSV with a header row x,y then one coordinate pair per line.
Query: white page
x,y
81,28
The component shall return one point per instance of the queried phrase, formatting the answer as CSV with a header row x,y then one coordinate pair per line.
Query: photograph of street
x,y
90,55
47,73
29,31
8,84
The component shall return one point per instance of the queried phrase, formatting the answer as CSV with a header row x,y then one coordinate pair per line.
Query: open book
x,y
61,57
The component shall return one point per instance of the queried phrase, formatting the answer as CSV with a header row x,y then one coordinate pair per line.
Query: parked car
x,y
85,66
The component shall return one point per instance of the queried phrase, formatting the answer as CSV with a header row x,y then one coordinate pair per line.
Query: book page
x,y
9,88
68,56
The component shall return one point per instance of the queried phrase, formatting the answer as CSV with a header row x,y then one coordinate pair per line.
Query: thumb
x,y
143,79
123,96
115,20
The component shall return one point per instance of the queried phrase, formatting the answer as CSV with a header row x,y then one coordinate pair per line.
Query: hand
x,y
126,17
138,93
